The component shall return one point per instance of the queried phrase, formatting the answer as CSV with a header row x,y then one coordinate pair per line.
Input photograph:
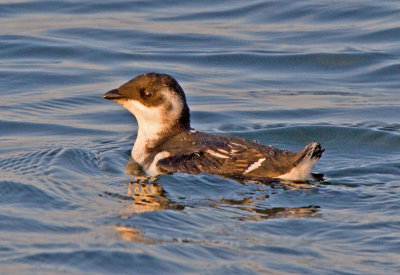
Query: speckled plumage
x,y
167,144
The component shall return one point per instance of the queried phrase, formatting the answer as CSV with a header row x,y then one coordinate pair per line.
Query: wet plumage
x,y
166,143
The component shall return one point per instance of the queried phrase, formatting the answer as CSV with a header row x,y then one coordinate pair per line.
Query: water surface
x,y
281,72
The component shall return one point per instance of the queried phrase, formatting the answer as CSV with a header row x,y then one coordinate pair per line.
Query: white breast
x,y
152,123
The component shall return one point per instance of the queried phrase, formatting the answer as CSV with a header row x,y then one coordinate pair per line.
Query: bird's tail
x,y
313,151
304,164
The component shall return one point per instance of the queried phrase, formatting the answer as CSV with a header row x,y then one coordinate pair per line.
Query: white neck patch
x,y
152,122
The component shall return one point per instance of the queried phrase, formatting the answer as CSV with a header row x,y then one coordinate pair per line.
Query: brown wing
x,y
194,163
213,154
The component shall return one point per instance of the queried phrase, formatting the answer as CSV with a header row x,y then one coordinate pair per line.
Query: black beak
x,y
113,95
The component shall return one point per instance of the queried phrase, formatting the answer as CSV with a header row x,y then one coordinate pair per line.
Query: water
x,y
282,72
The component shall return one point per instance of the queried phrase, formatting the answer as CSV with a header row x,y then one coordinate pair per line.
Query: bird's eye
x,y
147,94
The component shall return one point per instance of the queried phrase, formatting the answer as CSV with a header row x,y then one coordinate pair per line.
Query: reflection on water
x,y
142,195
129,234
256,214
251,210
145,194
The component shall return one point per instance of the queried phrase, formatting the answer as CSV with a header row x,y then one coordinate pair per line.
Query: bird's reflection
x,y
130,234
147,195
144,194
252,212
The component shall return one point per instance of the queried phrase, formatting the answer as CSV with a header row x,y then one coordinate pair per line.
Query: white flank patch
x,y
216,154
254,166
153,169
301,172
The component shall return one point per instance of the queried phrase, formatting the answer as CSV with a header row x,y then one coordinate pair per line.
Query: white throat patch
x,y
152,122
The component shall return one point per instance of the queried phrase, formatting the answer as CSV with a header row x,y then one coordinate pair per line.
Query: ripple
x,y
388,72
388,35
57,163
114,37
98,261
52,50
28,195
282,72
77,160
238,11
20,79
18,224
55,106
31,162
14,128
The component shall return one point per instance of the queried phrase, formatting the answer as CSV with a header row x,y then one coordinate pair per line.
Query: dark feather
x,y
213,154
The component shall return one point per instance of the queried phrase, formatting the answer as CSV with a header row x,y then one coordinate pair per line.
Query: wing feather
x,y
194,163
212,154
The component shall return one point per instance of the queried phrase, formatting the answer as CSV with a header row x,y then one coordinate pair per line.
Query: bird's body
x,y
166,143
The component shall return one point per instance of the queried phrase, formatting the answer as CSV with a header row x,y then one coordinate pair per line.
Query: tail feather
x,y
317,150
303,166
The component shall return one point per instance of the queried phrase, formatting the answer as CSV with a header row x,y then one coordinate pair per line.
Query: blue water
x,y
282,72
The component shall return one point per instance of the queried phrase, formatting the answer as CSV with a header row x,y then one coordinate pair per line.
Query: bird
x,y
166,143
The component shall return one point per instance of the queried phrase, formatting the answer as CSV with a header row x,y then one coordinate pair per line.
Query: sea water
x,y
282,72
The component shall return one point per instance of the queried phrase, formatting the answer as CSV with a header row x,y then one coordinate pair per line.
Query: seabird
x,y
166,143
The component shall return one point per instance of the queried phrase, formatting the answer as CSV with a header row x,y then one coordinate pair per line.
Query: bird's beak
x,y
113,95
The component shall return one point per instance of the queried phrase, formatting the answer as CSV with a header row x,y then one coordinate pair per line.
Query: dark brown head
x,y
156,100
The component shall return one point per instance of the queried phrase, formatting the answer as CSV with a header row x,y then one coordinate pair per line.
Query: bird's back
x,y
197,152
